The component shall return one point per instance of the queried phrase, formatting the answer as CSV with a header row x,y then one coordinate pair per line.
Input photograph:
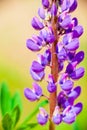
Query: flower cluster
x,y
66,50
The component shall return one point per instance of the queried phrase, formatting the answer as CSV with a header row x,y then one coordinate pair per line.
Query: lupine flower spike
x,y
59,34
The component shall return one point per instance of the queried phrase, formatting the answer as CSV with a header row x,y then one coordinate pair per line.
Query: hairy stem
x,y
54,70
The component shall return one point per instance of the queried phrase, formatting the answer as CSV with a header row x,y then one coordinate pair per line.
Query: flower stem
x,y
54,71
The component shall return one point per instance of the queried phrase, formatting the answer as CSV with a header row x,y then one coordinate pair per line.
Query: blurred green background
x,y
15,58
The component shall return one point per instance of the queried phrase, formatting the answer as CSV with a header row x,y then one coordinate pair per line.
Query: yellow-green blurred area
x,y
16,59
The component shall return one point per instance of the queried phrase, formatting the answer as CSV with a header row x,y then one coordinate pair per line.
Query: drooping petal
x,y
32,45
77,31
75,92
37,89
78,57
77,108
37,67
57,118
51,87
37,24
37,76
30,95
73,45
72,5
41,13
69,117
67,85
45,3
42,117
78,73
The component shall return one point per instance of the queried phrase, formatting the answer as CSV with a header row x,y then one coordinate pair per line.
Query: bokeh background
x,y
15,58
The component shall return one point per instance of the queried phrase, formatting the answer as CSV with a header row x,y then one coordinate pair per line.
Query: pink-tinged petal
x,y
37,89
37,67
36,24
77,108
41,13
67,85
30,95
32,45
37,76
69,116
78,73
73,45
42,117
75,92
51,87
57,118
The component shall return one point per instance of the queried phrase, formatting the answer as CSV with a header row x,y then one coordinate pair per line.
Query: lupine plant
x,y
59,36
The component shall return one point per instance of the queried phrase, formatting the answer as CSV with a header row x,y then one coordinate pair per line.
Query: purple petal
x,y
66,22
67,85
70,117
77,108
37,24
78,73
78,57
32,45
37,67
62,54
38,76
65,5
41,13
54,9
69,68
77,31
75,92
51,87
73,45
30,95
37,89
47,54
57,119
75,21
73,5
42,60
45,3
42,117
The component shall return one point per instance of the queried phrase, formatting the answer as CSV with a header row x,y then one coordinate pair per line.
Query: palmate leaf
x,y
7,122
5,99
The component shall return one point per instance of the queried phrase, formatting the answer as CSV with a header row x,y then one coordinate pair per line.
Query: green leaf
x,y
5,99
16,101
7,122
15,115
30,116
28,126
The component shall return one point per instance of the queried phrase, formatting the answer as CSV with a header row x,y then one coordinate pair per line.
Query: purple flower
x,y
34,44
37,71
51,84
45,3
54,9
77,108
72,5
67,85
69,115
42,117
57,117
78,73
41,13
33,94
37,24
77,31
